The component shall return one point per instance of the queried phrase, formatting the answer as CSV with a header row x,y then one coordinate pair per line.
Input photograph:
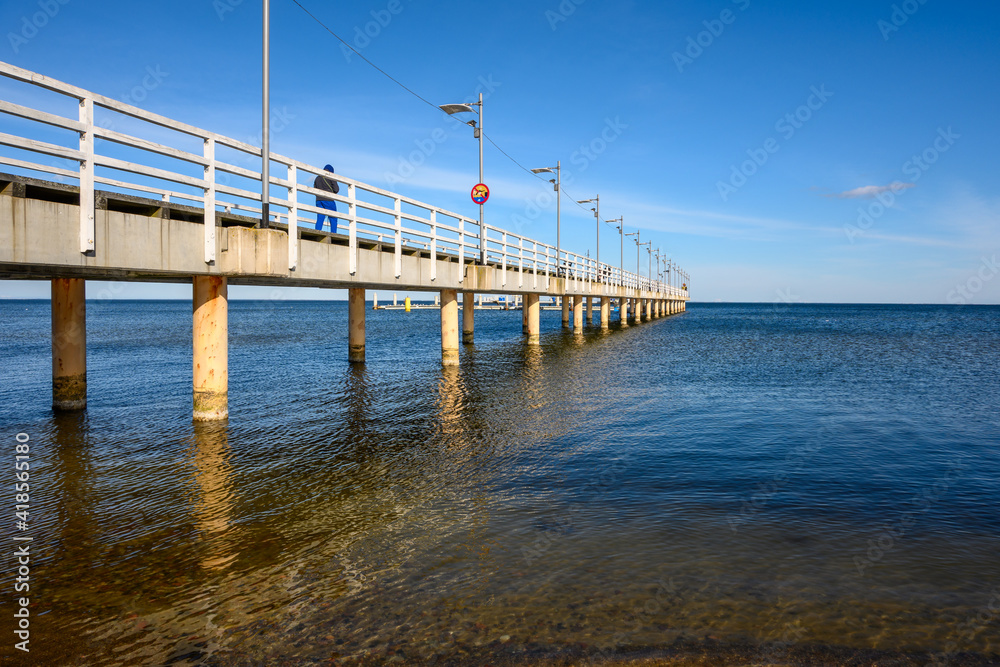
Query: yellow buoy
x,y
407,304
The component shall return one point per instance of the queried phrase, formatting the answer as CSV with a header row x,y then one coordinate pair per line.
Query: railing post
x,y
434,245
209,203
87,176
503,259
461,250
352,234
399,238
293,218
534,263
520,262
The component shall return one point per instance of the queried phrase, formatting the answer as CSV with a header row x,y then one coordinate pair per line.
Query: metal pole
x,y
265,171
597,259
558,210
482,226
621,247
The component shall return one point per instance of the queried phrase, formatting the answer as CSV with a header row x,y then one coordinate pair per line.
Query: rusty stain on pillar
x,y
533,308
449,327
356,325
578,314
468,317
211,348
69,344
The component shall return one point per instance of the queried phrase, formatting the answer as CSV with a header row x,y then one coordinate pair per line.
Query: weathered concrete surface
x,y
69,344
39,238
533,309
468,317
449,327
211,348
356,325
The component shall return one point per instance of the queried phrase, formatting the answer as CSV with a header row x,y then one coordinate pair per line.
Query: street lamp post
x,y
621,247
636,235
451,109
265,171
556,184
597,217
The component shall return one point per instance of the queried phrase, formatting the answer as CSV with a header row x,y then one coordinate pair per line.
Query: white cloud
x,y
872,191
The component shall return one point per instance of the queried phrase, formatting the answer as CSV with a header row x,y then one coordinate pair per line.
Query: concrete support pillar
x,y
649,309
533,308
565,311
449,327
468,317
524,316
356,325
211,348
623,311
69,344
605,312
589,314
578,314
637,310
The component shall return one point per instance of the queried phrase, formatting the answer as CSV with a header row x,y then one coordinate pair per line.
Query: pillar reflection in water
x,y
357,403
73,476
450,404
213,506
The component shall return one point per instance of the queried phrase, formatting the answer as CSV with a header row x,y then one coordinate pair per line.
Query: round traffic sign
x,y
480,193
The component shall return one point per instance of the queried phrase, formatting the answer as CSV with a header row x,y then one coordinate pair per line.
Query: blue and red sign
x,y
480,193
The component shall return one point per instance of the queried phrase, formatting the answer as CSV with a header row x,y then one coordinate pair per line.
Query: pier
x,y
134,209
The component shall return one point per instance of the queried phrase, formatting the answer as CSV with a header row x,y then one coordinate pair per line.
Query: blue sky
x,y
750,140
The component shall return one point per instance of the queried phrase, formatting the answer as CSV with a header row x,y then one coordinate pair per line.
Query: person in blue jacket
x,y
330,185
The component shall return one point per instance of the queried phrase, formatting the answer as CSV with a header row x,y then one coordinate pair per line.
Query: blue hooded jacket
x,y
324,183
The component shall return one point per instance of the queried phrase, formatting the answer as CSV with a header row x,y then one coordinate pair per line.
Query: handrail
x,y
208,176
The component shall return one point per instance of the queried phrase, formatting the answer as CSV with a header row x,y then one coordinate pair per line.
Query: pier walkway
x,y
119,193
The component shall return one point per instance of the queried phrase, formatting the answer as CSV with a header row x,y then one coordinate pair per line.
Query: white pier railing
x,y
189,165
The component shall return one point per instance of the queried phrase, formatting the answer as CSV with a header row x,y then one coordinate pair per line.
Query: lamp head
x,y
456,108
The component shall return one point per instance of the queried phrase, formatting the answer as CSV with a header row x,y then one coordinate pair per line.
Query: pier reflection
x,y
73,478
213,507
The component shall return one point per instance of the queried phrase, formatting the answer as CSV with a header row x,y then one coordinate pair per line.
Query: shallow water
x,y
783,485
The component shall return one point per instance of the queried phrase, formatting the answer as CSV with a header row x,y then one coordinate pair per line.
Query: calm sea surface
x,y
739,484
